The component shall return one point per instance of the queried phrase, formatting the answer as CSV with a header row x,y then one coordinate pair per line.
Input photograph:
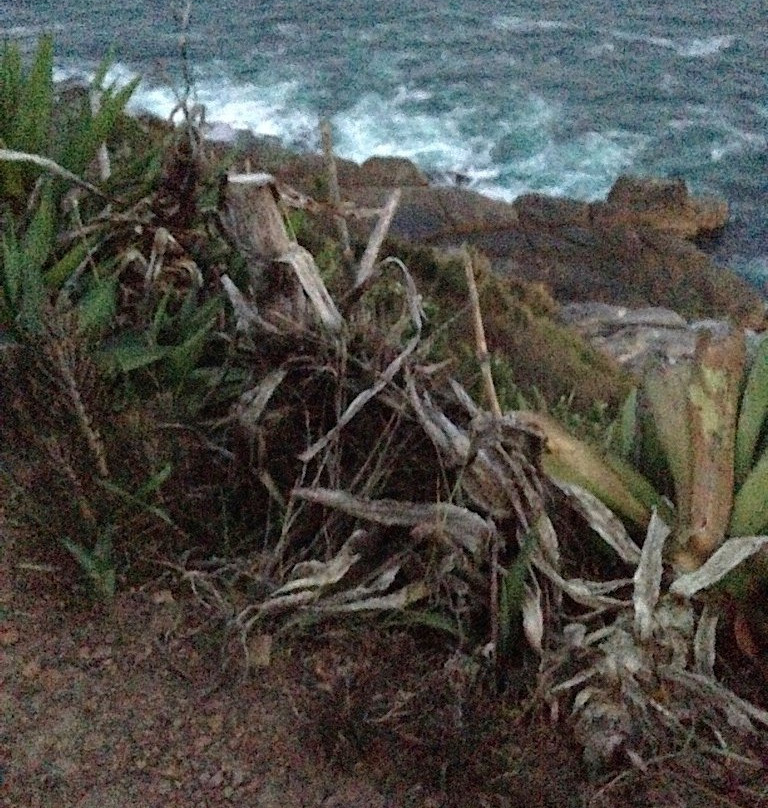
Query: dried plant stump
x,y
283,276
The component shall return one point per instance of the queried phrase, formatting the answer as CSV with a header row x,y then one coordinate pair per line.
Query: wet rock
x,y
636,338
665,205
396,171
632,249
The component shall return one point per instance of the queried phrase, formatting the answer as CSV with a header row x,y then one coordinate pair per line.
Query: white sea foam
x,y
688,48
507,157
526,25
273,109
28,31
736,141
397,126
584,167
705,47
725,137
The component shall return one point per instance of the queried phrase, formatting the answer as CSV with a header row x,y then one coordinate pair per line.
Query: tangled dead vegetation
x,y
631,658
306,458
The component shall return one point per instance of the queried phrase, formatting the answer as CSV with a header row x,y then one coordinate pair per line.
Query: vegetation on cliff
x,y
295,431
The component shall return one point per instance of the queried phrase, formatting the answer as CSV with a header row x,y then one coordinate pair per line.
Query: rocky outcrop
x,y
663,205
632,249
638,338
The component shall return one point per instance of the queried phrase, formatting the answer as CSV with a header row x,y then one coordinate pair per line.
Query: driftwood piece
x,y
283,276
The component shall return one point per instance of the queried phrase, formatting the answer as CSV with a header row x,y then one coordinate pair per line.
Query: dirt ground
x,y
149,705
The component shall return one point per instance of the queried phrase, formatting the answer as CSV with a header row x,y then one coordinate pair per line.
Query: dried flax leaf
x,y
281,603
533,613
382,580
385,377
465,399
410,593
303,265
360,401
251,403
547,539
712,691
704,643
495,477
467,529
726,558
452,443
602,520
586,593
318,574
11,156
246,314
367,262
579,678
648,578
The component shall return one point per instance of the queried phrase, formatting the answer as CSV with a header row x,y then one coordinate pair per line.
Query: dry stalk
x,y
334,193
482,346
84,420
368,261
181,15
61,463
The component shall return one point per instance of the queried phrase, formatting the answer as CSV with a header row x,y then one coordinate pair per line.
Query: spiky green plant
x,y
68,264
706,417
41,154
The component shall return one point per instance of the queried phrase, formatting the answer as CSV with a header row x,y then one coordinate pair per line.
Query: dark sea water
x,y
554,96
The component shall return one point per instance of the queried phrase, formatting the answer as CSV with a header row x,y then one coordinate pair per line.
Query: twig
x,y
482,347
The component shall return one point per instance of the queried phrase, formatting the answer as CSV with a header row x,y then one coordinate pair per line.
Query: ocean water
x,y
555,96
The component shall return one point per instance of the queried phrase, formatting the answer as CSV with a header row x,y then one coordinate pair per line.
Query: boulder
x,y
664,205
391,171
623,265
636,338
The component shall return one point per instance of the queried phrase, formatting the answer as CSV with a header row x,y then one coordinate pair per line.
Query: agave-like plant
x,y
640,667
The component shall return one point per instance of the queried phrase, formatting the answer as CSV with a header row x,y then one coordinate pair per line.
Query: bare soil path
x,y
132,708
136,708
